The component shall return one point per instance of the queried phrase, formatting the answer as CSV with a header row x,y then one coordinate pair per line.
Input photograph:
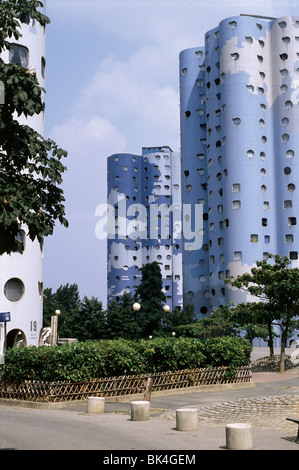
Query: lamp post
x,y
166,309
54,327
136,308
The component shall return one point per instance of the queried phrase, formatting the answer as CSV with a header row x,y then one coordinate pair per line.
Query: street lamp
x,y
54,327
166,309
136,308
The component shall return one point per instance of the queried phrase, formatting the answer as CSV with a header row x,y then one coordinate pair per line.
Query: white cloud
x,y
88,143
85,138
75,255
135,97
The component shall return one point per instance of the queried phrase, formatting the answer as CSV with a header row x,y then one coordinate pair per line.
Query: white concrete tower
x,y
21,275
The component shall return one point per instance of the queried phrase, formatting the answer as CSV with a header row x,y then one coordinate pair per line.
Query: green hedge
x,y
88,360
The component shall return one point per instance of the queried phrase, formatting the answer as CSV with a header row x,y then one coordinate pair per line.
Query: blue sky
x,y
112,86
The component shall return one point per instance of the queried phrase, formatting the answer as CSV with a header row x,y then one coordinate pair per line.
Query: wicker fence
x,y
47,392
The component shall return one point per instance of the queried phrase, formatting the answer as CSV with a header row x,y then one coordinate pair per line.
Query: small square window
x,y
293,255
264,222
289,238
267,239
237,255
292,221
254,238
236,204
236,188
287,204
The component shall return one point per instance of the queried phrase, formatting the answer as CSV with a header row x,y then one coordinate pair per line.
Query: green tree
x,y
67,300
213,326
276,283
178,317
81,319
120,318
151,297
89,320
255,318
30,166
49,306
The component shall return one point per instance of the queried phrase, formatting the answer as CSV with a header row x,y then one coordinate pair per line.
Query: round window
x,y
14,289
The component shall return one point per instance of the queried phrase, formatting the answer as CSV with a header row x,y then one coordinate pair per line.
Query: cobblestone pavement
x,y
262,412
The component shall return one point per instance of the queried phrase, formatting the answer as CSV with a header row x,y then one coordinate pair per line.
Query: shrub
x,y
227,351
168,354
231,352
120,357
74,362
94,359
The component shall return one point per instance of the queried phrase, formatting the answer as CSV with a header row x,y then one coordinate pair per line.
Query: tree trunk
x,y
282,350
284,337
271,342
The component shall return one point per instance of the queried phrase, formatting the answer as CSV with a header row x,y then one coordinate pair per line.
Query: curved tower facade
x,y
144,200
239,149
21,276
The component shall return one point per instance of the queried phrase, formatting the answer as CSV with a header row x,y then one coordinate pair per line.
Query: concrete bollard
x,y
238,436
140,410
186,419
95,405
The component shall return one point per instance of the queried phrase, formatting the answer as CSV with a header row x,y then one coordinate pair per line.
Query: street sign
x,y
4,317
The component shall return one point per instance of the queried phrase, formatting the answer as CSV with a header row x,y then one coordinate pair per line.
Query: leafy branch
x,y
31,166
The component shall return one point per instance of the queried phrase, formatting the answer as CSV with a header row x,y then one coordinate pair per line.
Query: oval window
x,y
14,289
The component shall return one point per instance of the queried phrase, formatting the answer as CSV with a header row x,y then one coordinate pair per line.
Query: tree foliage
x,y
276,285
80,319
120,318
213,326
30,166
85,319
151,296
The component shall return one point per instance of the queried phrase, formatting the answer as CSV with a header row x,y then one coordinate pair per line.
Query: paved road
x,y
266,406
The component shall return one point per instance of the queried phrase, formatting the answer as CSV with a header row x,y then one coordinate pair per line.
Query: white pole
x,y
2,342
